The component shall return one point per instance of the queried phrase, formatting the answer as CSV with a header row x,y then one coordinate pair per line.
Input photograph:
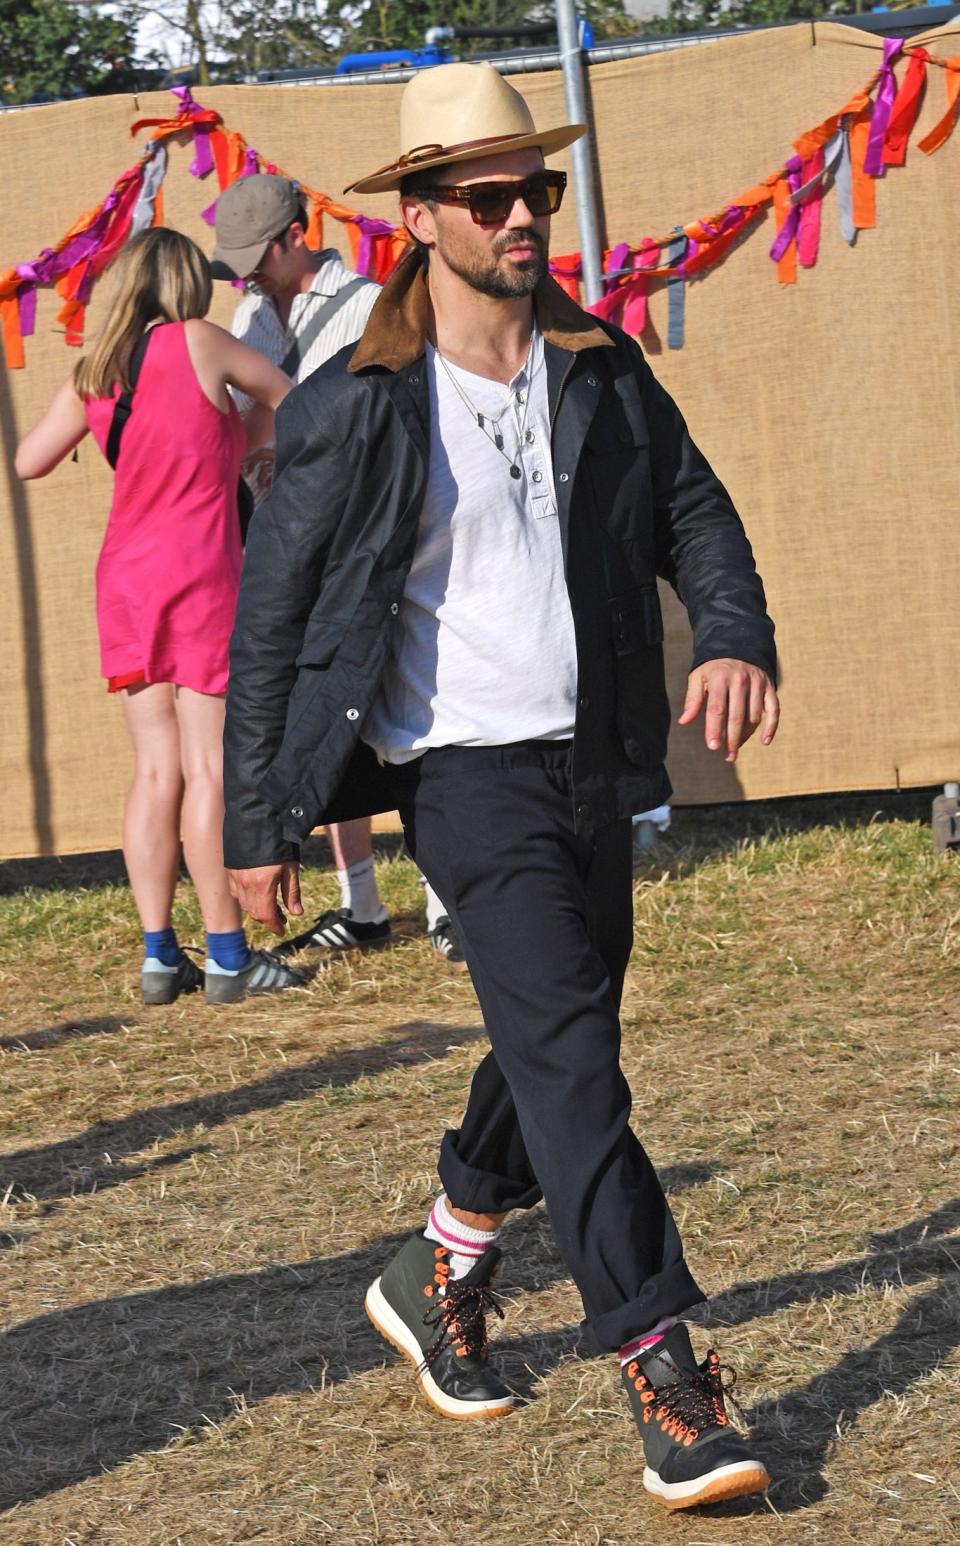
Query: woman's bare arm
x,y
62,427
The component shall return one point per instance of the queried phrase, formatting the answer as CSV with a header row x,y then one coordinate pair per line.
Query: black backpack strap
x,y
121,412
290,363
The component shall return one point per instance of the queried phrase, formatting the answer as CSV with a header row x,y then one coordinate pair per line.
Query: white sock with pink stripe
x,y
649,1339
465,1245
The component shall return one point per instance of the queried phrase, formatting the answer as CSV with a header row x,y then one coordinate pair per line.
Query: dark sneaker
x,y
693,1455
438,1322
446,942
265,974
161,984
338,930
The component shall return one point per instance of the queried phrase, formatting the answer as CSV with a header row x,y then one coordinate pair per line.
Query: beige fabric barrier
x,y
830,408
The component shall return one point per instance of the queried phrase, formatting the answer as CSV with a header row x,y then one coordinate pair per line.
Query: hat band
x,y
411,159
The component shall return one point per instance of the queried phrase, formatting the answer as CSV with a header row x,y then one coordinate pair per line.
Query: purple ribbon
x,y
368,230
27,303
618,258
251,163
202,163
788,231
882,108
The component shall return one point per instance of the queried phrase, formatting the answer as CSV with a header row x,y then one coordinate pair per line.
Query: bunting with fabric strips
x,y
135,202
848,152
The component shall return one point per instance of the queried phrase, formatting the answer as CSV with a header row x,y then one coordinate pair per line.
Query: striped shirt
x,y
257,324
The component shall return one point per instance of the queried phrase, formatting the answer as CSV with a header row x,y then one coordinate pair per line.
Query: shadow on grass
x,y
67,1030
94,1160
799,1430
89,1387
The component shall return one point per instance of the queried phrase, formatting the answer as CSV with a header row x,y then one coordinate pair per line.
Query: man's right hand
x,y
256,891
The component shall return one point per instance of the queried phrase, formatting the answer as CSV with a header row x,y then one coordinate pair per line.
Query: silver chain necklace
x,y
483,420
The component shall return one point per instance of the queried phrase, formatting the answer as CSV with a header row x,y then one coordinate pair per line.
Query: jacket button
x,y
583,702
353,713
394,609
564,477
583,808
414,380
591,381
296,812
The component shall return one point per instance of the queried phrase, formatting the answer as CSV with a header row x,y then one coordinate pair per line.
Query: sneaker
x,y
161,984
438,1322
446,942
693,1455
265,974
338,930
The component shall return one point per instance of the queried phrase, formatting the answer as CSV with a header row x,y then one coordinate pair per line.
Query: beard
x,y
485,272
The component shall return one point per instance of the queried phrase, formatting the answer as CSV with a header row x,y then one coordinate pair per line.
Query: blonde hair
x,y
160,275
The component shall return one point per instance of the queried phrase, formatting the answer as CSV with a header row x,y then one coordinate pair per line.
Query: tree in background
x,y
702,15
51,49
386,24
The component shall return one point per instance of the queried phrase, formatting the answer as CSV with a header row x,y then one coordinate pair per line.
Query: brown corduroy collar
x,y
396,332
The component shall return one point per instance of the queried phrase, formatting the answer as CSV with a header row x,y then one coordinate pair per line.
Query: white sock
x,y
465,1245
358,892
435,908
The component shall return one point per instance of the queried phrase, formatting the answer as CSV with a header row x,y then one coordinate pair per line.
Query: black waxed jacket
x,y
330,548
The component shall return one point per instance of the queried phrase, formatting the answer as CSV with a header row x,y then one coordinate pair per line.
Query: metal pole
x,y
571,62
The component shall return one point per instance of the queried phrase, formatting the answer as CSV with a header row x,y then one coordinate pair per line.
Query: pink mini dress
x,y
169,568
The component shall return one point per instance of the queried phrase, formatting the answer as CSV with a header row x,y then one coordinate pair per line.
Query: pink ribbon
x,y
635,307
808,228
617,258
882,108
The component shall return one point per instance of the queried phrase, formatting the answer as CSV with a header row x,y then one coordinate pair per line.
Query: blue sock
x,y
162,945
229,950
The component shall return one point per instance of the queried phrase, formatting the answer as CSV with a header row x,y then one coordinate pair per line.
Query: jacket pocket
x,y
643,712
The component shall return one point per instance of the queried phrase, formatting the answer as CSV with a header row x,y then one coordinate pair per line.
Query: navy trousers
x,y
546,922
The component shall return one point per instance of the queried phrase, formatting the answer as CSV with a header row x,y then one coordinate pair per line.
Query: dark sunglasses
x,y
491,203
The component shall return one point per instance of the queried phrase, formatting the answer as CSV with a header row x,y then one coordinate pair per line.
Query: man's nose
x,y
519,215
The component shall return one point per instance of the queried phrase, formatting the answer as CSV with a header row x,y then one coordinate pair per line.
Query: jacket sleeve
x,y
702,548
283,564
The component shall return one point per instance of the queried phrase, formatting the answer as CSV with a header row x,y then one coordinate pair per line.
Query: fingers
x,y
256,892
290,889
693,702
739,698
771,713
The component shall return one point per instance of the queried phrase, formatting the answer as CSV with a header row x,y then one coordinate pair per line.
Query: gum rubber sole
x,y
727,1481
393,1330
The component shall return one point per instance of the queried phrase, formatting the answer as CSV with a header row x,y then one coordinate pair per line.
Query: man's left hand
x,y
739,698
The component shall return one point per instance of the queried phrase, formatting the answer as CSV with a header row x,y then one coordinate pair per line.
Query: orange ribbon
x,y
942,131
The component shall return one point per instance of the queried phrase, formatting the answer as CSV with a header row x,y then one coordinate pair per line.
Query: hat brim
x,y
237,262
549,141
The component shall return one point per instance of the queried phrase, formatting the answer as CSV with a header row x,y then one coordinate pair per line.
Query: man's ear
x,y
419,220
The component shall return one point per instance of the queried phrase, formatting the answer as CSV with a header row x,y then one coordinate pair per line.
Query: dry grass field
x,y
193,1201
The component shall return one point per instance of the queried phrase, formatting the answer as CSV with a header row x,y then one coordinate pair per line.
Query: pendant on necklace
x,y
498,442
514,470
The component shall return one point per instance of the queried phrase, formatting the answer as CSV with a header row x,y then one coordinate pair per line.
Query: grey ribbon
x,y
153,175
844,181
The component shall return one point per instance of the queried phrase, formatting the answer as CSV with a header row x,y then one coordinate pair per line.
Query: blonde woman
x,y
167,580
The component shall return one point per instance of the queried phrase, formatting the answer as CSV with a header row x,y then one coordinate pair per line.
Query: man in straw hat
x,y
450,606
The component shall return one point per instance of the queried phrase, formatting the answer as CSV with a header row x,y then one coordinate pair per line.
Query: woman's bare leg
x,y
200,719
151,818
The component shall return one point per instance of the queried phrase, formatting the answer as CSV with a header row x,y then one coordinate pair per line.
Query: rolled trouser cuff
x,y
481,1191
667,1293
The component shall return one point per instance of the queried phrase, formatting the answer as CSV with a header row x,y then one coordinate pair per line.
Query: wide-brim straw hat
x,y
460,112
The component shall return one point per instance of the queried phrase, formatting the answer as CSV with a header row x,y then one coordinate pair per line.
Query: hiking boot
x,y
438,1322
693,1455
338,930
446,942
265,974
161,984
